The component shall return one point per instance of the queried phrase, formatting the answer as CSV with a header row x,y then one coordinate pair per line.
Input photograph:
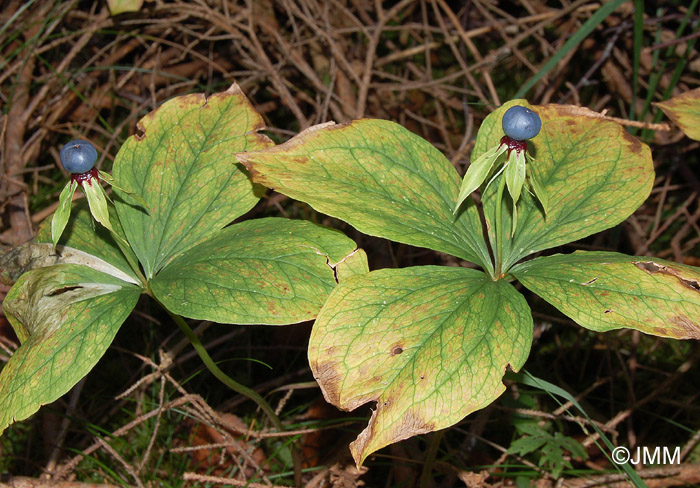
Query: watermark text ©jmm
x,y
647,455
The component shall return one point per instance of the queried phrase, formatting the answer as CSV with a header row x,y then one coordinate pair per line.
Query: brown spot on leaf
x,y
329,378
653,268
687,328
255,175
415,424
409,425
659,331
396,349
633,144
608,311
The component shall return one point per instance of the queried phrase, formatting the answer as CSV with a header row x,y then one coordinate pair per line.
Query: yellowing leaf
x,y
117,7
182,163
605,291
684,111
62,214
594,174
83,236
263,271
65,316
98,202
429,344
477,172
34,255
381,179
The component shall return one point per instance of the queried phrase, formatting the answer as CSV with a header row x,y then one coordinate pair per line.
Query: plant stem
x,y
498,228
223,377
430,456
234,385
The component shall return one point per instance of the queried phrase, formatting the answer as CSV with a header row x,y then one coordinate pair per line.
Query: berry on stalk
x,y
78,156
520,123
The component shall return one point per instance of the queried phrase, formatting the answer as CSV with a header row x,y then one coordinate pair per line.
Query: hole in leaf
x,y
62,290
650,266
139,133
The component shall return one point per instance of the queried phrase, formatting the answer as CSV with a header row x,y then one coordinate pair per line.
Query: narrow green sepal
x,y
138,199
62,214
97,201
538,190
515,179
477,173
515,175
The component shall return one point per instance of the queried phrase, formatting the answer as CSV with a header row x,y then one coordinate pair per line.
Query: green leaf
x,y
182,163
539,191
82,234
380,178
62,214
429,344
477,172
98,202
135,197
526,445
594,174
515,174
684,111
572,445
554,391
605,291
263,271
65,316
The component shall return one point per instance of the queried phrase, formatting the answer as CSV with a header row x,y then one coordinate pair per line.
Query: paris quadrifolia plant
x,y
427,344
165,233
430,344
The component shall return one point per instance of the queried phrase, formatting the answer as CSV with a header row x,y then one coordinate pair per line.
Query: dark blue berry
x,y
78,156
521,123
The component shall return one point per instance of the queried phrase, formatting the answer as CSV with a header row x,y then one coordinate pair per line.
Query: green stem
x,y
433,447
234,385
223,377
498,224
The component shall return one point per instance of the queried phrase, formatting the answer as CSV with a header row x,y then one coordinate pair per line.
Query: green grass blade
x,y
14,17
656,77
638,31
526,378
587,27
